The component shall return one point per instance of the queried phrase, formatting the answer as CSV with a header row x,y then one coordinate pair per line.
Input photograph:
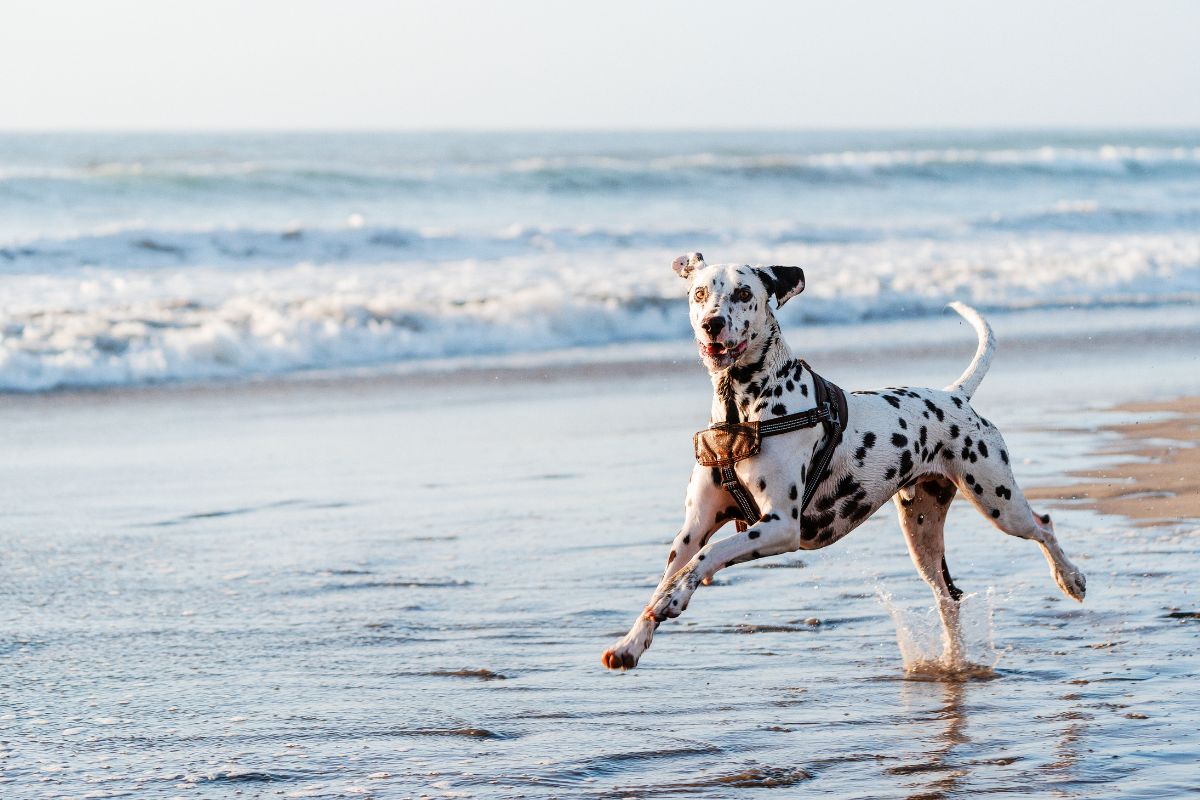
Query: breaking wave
x,y
107,326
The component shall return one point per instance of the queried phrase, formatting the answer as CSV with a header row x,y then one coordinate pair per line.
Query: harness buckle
x,y
832,413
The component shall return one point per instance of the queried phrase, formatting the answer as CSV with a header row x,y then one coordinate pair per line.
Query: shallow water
x,y
386,590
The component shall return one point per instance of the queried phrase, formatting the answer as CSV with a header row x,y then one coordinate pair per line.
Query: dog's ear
x,y
783,282
684,265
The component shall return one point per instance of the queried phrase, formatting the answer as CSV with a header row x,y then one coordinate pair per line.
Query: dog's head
x,y
729,305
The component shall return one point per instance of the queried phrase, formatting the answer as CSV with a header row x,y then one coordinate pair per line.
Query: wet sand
x,y
392,588
1156,475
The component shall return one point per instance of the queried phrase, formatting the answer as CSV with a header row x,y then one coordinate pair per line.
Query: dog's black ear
x,y
783,282
684,265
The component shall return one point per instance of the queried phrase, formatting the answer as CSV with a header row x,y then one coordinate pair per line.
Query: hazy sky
x,y
571,64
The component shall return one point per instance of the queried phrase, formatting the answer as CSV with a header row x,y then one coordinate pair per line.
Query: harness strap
x,y
831,411
745,502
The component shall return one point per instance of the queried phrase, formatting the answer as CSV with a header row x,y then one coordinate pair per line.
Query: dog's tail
x,y
969,381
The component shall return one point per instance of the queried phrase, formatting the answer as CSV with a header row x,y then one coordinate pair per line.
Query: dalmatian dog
x,y
916,446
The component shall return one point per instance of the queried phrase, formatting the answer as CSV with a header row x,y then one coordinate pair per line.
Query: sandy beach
x,y
401,584
1155,474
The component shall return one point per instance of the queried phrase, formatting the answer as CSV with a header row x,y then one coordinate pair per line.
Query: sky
x,y
567,64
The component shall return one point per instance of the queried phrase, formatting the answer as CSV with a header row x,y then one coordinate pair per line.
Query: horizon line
x,y
956,128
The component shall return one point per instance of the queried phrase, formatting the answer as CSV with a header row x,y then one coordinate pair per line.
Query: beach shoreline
x,y
1155,477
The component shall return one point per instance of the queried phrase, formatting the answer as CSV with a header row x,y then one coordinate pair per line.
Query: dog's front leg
x,y
707,508
770,536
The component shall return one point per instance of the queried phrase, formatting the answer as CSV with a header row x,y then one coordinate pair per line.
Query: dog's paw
x,y
1072,582
619,658
629,648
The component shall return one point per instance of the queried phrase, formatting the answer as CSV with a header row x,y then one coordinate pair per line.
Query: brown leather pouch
x,y
724,444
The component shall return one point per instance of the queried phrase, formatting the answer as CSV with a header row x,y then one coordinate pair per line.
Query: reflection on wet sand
x,y
939,763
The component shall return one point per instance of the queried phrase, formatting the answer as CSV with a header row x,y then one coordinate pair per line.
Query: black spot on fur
x,y
957,401
983,450
814,527
733,512
941,491
1004,456
795,513
995,513
895,401
868,440
779,409
903,424
847,486
906,463
792,494
853,511
804,389
941,415
953,431
762,484
753,534
891,473
899,440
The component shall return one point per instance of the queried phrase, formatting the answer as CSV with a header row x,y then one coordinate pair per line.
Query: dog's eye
x,y
700,294
743,295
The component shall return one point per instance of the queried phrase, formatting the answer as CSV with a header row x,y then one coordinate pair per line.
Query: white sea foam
x,y
102,326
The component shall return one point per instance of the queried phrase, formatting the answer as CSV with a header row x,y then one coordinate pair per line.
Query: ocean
x,y
132,259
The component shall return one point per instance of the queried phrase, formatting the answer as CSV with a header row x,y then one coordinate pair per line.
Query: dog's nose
x,y
713,325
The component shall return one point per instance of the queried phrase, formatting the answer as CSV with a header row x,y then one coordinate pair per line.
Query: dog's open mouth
x,y
722,352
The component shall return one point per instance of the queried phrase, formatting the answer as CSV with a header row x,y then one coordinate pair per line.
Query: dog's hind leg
x,y
988,482
922,508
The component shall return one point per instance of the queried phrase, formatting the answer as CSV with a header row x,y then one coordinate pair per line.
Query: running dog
x,y
805,476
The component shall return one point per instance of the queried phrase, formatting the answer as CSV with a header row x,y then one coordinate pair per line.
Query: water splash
x,y
920,638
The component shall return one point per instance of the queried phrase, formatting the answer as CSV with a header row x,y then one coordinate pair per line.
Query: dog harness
x,y
723,444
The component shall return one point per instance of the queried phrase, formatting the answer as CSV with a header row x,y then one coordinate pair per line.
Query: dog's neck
x,y
766,382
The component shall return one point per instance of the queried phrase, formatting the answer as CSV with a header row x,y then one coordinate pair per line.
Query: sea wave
x,y
356,243
592,172
100,326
